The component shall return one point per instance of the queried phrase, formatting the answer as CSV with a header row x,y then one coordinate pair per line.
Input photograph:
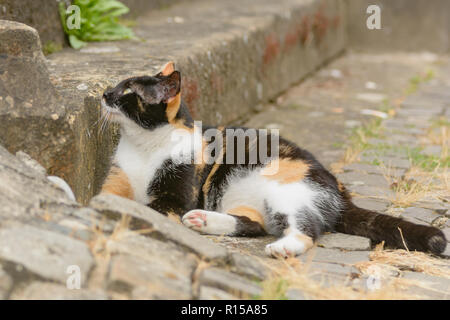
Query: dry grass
x,y
351,155
412,261
99,243
418,185
391,262
99,248
293,274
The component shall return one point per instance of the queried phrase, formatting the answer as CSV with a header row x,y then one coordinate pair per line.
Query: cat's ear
x,y
168,69
170,86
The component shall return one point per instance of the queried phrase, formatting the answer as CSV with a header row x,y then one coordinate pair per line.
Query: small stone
x,y
344,242
354,178
336,73
228,282
371,204
371,97
178,19
371,85
352,123
145,218
54,116
82,87
422,214
441,222
248,266
375,113
45,253
73,224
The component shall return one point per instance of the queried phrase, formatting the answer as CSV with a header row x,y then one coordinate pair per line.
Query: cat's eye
x,y
127,91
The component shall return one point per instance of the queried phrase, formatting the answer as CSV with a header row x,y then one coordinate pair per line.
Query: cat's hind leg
x,y
296,232
293,243
216,223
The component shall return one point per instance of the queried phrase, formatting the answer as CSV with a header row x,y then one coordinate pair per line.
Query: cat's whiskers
x,y
106,122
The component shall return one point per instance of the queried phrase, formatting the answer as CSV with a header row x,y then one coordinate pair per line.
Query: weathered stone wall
x,y
32,112
41,15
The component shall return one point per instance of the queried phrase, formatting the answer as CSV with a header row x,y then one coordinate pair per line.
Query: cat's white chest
x,y
141,154
140,167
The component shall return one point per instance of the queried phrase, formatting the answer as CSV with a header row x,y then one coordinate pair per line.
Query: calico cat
x,y
297,202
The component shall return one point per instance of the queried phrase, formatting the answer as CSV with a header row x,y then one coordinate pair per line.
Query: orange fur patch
x,y
248,212
174,217
117,183
285,170
173,105
341,187
207,184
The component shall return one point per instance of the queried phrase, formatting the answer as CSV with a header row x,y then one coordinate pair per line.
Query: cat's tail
x,y
395,232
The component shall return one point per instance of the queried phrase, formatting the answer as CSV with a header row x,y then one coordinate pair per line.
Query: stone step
x,y
232,54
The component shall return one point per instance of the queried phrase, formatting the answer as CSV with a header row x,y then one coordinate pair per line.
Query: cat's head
x,y
147,101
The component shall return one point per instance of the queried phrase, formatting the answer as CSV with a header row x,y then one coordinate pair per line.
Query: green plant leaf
x,y
99,22
75,42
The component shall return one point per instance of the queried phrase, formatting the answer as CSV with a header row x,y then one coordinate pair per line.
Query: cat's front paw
x,y
195,219
210,222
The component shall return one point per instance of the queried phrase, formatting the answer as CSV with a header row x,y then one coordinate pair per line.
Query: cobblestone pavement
x,y
381,124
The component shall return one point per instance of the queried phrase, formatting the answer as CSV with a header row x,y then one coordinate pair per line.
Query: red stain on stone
x,y
272,48
305,28
320,24
190,93
291,38
298,33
